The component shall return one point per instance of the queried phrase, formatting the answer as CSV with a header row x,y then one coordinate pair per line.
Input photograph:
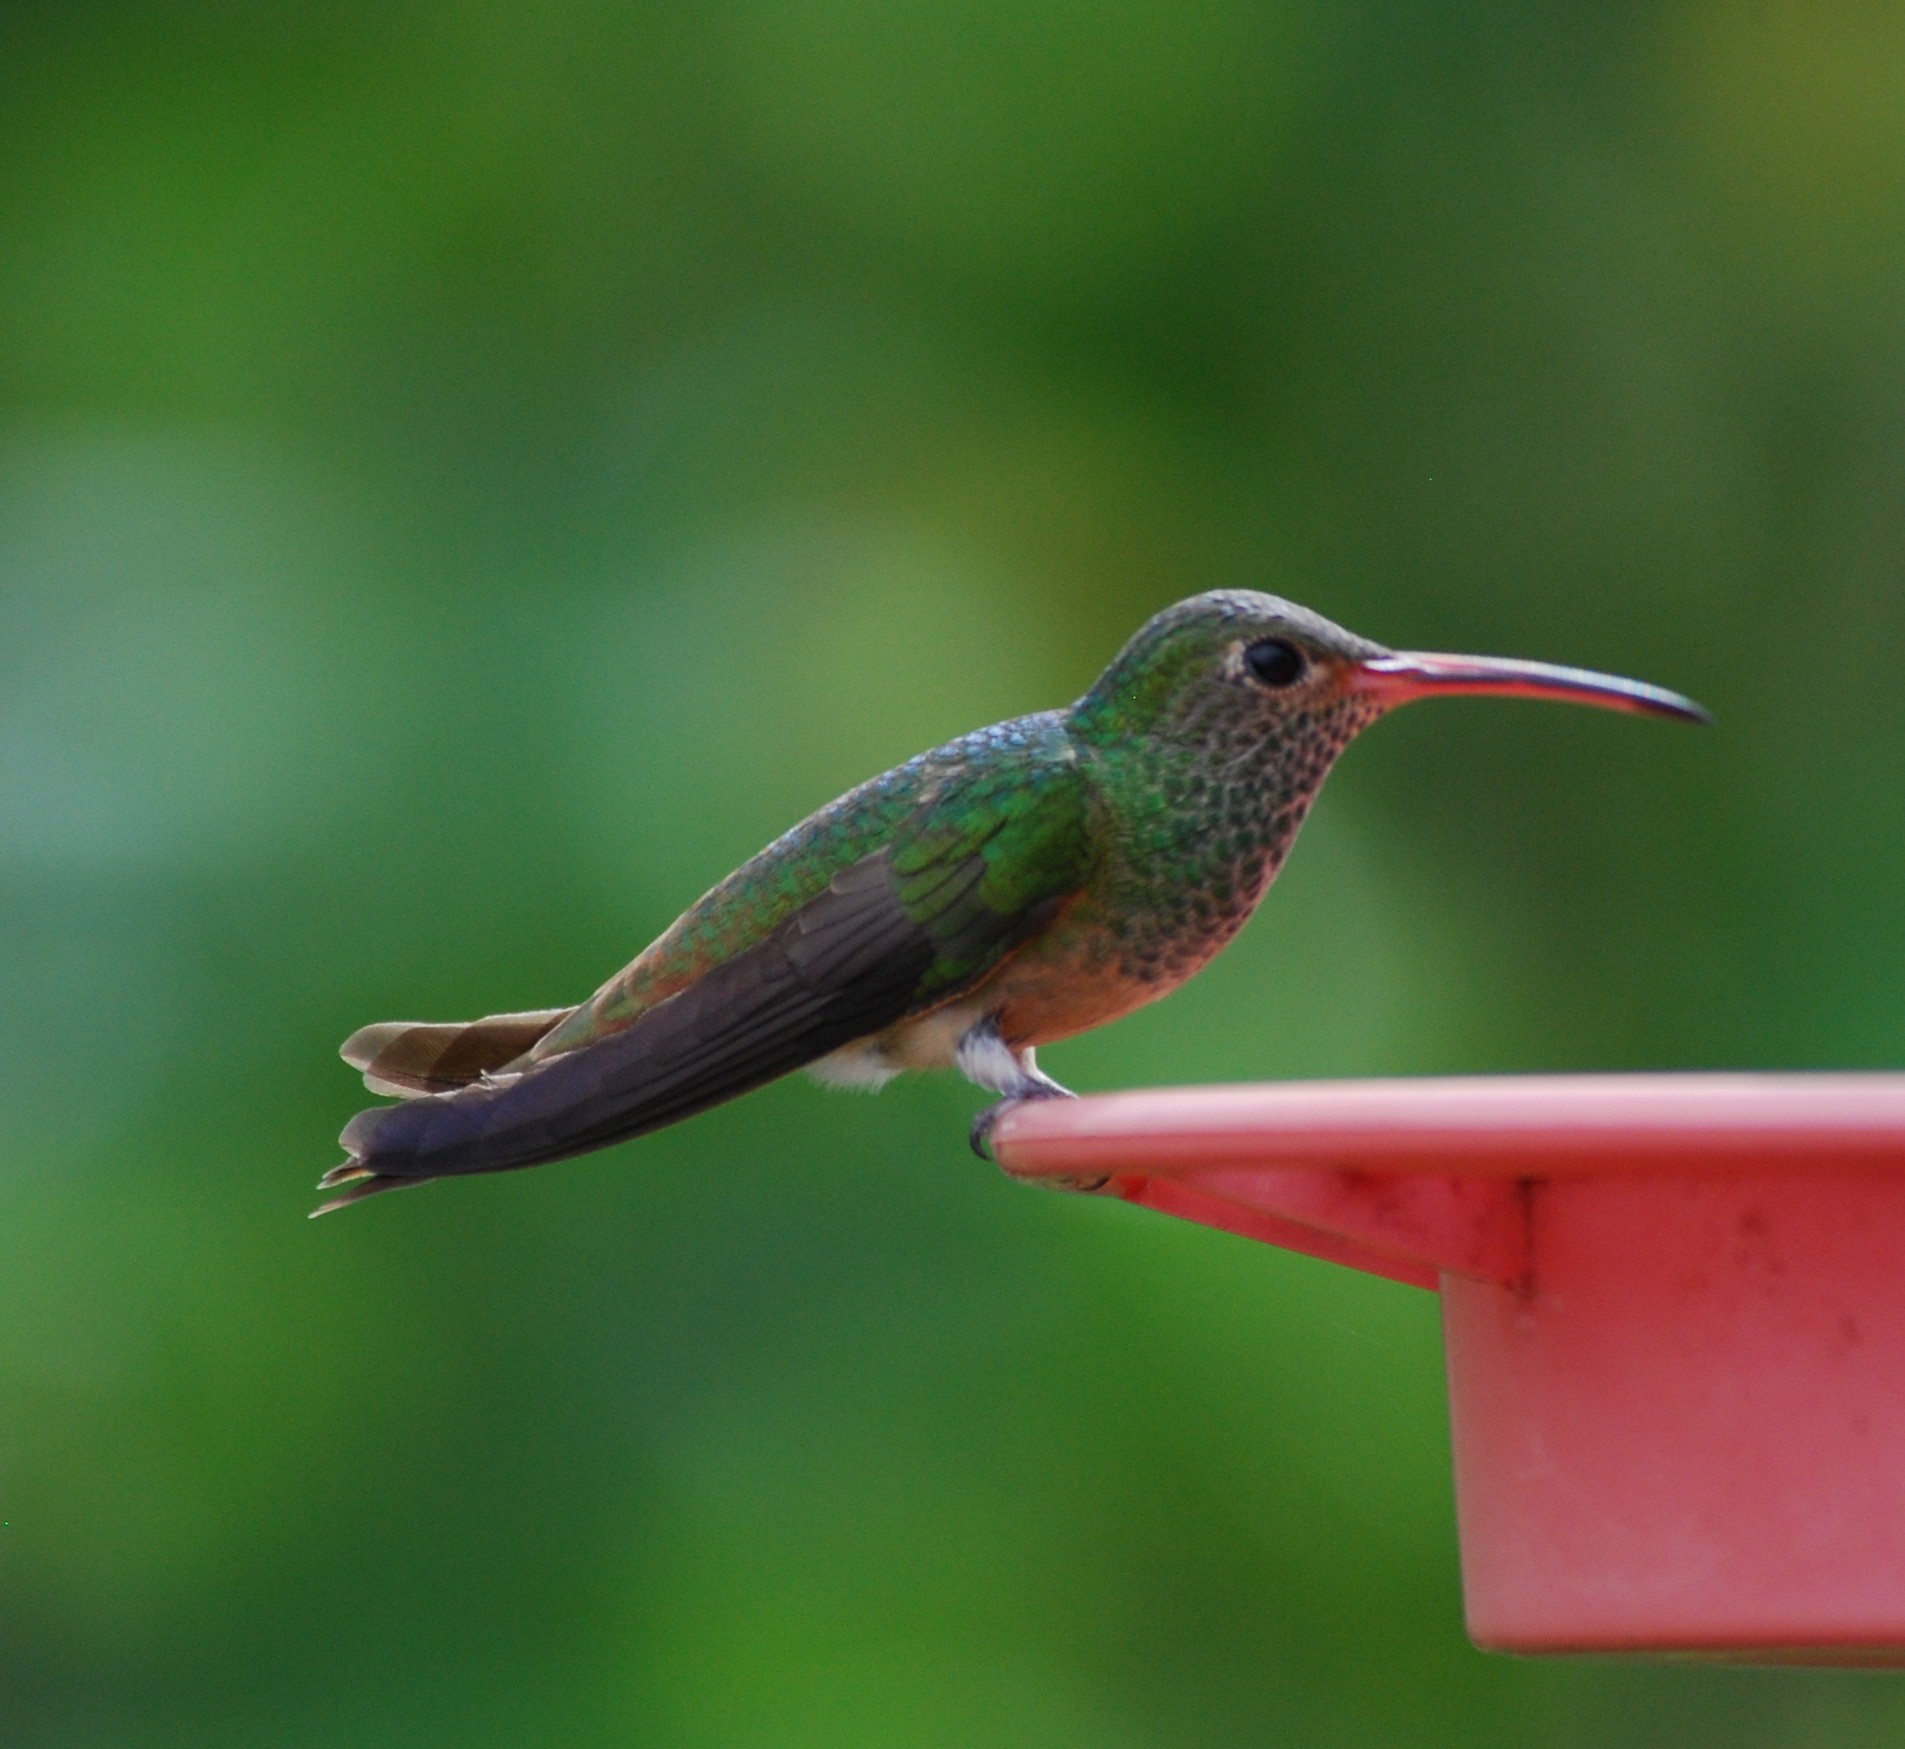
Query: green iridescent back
x,y
1010,794
1155,811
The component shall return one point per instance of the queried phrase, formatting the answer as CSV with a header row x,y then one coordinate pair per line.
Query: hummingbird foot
x,y
987,1120
987,1060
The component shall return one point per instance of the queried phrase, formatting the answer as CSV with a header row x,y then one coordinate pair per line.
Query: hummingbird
x,y
1011,888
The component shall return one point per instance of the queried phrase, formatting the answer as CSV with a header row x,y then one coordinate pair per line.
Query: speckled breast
x,y
1193,836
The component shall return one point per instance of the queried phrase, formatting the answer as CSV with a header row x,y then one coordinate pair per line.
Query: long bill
x,y
1410,674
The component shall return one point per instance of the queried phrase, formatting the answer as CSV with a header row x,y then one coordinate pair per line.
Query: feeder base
x,y
1684,1436
1675,1311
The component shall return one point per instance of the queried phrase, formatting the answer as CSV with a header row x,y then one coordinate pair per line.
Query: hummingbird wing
x,y
982,856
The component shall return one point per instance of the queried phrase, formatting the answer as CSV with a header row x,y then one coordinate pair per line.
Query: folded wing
x,y
903,929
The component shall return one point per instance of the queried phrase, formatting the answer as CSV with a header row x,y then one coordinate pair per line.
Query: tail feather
x,y
362,1181
405,1059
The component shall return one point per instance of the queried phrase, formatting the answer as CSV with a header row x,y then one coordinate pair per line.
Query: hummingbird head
x,y
1235,669
1215,727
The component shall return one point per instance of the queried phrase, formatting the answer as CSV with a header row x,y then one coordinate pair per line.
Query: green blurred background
x,y
470,473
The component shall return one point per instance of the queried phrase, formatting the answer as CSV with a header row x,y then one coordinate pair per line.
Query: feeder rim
x,y
1517,1126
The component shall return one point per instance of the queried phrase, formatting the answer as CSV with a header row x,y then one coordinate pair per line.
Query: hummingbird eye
x,y
1275,662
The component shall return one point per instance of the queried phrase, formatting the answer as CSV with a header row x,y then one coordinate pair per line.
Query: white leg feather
x,y
987,1061
862,1066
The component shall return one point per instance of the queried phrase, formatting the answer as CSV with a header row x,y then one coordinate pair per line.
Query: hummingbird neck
x,y
1197,825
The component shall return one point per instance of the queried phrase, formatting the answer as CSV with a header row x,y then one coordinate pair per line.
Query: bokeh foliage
x,y
471,472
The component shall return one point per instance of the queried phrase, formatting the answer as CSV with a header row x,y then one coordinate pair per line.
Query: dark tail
x,y
843,967
414,1060
676,1060
555,1110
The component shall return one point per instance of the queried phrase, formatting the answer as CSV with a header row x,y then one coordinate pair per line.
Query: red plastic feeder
x,y
1674,1308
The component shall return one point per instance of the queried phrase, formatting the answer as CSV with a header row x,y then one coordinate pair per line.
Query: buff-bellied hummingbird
x,y
1013,887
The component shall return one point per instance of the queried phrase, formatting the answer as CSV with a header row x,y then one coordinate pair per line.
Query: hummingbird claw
x,y
987,1120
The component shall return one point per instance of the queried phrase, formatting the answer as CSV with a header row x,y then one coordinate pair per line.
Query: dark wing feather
x,y
847,964
960,886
